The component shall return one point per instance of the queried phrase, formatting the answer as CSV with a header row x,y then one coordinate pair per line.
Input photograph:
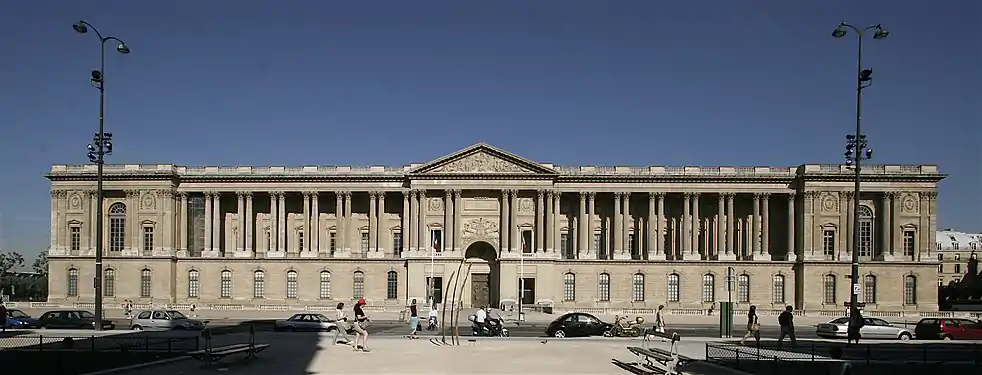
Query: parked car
x,y
576,324
948,329
164,320
71,319
306,322
18,319
873,328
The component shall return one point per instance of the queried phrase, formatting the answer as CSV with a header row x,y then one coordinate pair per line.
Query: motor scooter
x,y
495,327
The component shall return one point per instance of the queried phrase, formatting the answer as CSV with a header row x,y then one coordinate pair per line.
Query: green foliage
x,y
10,262
40,265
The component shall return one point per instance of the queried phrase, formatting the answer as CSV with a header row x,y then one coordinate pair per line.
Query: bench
x,y
654,361
212,355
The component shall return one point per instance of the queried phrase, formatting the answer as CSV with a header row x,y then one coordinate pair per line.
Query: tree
x,y
40,265
10,261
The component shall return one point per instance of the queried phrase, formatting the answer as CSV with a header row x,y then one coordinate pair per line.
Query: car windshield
x,y
322,318
86,315
176,315
840,321
17,314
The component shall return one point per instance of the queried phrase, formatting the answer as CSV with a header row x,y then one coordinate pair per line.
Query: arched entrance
x,y
484,274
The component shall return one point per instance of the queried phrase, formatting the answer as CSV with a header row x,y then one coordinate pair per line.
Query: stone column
x,y
240,217
216,226
550,236
556,215
315,222
372,223
765,236
447,220
731,253
423,241
306,222
887,226
281,222
660,224
540,221
932,218
458,210
339,221
208,222
626,226
409,231
503,231
250,227
581,244
696,225
792,239
590,218
924,223
616,222
516,236
93,216
808,225
55,229
384,237
349,229
132,212
405,227
686,225
183,231
850,226
755,226
650,246
721,226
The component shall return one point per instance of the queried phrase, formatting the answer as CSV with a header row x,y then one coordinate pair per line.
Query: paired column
x,y
696,227
339,227
216,224
372,224
590,231
581,242
315,232
281,222
383,238
447,220
250,227
686,228
792,239
516,236
730,232
887,225
617,222
422,241
405,227
765,235
458,209
626,223
721,249
350,234
306,223
540,219
208,221
552,225
240,216
503,231
184,232
755,226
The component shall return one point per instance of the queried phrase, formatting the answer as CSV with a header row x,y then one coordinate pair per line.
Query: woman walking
x,y
360,324
342,323
413,320
753,326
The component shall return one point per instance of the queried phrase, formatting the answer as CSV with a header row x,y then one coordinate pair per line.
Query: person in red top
x,y
359,325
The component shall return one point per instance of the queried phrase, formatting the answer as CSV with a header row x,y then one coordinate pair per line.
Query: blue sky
x,y
564,81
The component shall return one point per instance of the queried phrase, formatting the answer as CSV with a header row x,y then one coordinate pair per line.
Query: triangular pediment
x,y
483,158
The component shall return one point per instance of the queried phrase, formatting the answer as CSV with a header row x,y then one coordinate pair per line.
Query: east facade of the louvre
x,y
501,228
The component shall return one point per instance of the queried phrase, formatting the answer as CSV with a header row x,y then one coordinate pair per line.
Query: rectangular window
x,y
865,238
292,289
958,257
436,240
147,240
569,287
564,246
364,242
637,288
940,257
194,284
324,286
392,285
603,287
910,243
630,242
778,295
333,241
76,238
434,289
954,245
598,243
828,243
673,288
300,241
397,242
708,288
527,244
958,268
941,268
829,290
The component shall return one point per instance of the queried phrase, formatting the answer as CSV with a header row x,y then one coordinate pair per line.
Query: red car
x,y
948,329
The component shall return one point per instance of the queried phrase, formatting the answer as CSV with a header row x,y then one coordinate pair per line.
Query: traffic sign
x,y
855,289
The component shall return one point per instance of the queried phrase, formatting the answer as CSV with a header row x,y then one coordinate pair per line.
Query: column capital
x,y
448,193
760,195
541,193
240,194
339,193
513,192
890,194
657,194
347,194
687,195
457,192
419,192
592,194
812,194
765,196
551,193
583,195
931,195
728,194
380,194
792,193
848,194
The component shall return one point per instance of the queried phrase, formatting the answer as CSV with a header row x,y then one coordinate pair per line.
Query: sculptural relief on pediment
x,y
480,163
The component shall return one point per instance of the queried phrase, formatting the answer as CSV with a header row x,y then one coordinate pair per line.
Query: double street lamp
x,y
97,150
856,144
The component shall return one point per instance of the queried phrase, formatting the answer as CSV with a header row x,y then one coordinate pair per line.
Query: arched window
x,y
146,283
358,285
673,287
777,294
325,285
865,227
869,289
829,290
392,285
569,286
73,282
292,290
117,226
708,288
226,284
259,285
194,284
910,290
109,283
603,287
743,288
637,287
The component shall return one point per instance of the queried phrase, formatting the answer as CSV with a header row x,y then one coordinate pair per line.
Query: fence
x,y
144,342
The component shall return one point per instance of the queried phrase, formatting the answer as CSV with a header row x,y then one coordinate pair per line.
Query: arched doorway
x,y
484,275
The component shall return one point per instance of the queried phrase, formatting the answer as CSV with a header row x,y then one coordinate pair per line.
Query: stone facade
x,y
582,237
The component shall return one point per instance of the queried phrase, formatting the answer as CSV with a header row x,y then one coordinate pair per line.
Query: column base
x,y
588,256
181,253
211,254
730,257
243,254
276,254
162,252
308,254
622,255
812,257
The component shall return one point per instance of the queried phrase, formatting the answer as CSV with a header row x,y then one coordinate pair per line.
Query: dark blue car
x,y
18,319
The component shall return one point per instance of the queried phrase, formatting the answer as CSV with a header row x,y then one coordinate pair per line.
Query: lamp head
x,y
122,48
839,31
865,76
80,27
880,33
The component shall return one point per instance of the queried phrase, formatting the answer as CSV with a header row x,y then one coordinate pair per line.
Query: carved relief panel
x,y
829,202
75,201
434,205
148,200
480,229
909,203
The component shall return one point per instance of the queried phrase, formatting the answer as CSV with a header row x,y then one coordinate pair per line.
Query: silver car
x,y
306,322
872,329
164,320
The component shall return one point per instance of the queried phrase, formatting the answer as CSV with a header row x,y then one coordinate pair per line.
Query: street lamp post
x,y
97,150
856,150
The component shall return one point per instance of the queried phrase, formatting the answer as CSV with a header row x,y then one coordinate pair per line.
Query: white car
x,y
873,329
306,322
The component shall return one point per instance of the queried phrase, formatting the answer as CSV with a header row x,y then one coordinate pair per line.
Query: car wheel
x,y
905,336
559,334
137,328
608,333
332,329
947,337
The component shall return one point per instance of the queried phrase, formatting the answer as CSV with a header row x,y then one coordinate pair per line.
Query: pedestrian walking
x,y
786,320
856,323
660,322
3,317
193,314
413,320
360,326
342,323
753,326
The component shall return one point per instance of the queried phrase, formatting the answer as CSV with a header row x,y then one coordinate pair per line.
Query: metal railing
x,y
93,343
741,356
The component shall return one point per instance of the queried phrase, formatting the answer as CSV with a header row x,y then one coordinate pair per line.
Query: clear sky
x,y
564,81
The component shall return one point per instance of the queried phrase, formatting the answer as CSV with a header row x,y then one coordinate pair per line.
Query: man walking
x,y
660,322
3,317
786,320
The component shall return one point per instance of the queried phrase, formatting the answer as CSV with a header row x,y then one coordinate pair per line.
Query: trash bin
x,y
726,319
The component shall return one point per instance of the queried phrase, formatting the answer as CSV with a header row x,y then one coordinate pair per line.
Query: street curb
x,y
139,366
